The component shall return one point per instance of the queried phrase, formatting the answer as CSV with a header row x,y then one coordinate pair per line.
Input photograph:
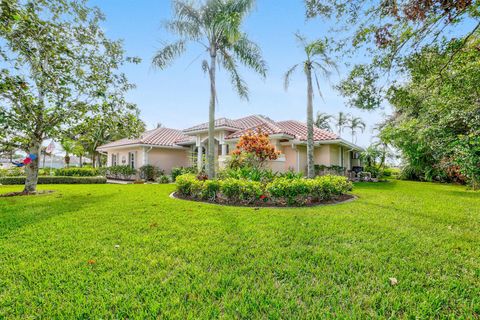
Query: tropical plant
x,y
316,60
354,124
216,26
341,121
254,148
68,147
323,121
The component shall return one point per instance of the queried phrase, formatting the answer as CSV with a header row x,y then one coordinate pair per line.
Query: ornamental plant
x,y
254,149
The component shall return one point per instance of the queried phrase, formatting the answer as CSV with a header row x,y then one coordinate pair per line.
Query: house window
x,y
114,159
131,159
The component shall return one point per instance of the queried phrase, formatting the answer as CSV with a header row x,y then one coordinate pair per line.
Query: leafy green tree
x,y
57,68
387,31
435,123
68,147
354,124
322,121
317,60
216,26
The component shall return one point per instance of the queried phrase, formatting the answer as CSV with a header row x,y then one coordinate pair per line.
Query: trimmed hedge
x,y
77,172
55,180
281,191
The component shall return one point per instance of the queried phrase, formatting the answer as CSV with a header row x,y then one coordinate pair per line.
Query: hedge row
x,y
281,191
77,172
55,180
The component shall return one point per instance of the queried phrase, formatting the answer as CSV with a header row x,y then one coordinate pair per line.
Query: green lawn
x,y
179,259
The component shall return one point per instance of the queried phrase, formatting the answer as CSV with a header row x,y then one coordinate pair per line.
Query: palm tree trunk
x,y
211,119
31,170
310,161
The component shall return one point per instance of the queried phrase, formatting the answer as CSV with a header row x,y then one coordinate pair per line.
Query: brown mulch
x,y
269,204
22,193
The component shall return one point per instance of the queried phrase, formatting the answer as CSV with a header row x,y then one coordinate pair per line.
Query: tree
x,y
355,123
386,32
341,121
316,60
436,124
323,121
216,26
60,67
68,147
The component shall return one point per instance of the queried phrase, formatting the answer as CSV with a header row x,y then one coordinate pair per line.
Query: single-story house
x,y
167,148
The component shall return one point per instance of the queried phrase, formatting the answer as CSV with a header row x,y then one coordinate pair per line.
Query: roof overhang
x,y
226,128
341,142
271,136
136,145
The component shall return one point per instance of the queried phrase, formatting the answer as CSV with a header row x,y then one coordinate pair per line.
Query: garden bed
x,y
267,204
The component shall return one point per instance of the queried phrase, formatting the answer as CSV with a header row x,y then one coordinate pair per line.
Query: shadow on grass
x,y
18,212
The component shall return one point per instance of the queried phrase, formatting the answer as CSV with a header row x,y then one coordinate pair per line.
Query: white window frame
x,y
132,158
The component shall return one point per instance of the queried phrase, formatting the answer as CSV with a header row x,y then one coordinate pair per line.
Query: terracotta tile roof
x,y
299,129
158,137
296,129
238,124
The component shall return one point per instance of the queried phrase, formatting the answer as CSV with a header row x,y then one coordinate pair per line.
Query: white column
x,y
199,158
224,149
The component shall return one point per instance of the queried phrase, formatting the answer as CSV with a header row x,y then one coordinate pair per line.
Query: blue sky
x,y
178,96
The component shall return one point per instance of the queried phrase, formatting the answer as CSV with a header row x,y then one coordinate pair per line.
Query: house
x,y
168,148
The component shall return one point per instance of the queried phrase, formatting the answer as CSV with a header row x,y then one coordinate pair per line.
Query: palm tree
x,y
216,26
323,121
69,147
317,60
342,120
355,123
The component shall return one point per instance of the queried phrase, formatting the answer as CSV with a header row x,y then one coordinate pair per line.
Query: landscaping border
x,y
347,198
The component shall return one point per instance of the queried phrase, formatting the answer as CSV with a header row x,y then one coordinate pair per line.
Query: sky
x,y
178,96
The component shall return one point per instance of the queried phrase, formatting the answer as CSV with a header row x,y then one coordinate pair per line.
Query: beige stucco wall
x,y
122,156
166,159
322,155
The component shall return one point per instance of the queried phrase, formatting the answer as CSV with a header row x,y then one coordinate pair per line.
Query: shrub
x,y
182,170
76,172
184,183
374,171
120,172
241,190
257,148
150,173
55,180
291,174
163,179
210,189
249,173
12,172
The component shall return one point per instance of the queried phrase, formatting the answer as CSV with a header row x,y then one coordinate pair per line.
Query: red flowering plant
x,y
254,149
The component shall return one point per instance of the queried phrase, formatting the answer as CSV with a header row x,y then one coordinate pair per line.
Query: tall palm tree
x,y
356,123
341,121
323,121
216,26
316,60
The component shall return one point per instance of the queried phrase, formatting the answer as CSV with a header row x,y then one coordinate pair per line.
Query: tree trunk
x,y
81,161
93,160
31,169
310,146
211,119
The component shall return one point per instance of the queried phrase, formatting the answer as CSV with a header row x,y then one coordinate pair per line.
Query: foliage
x,y
120,172
384,32
426,237
355,123
317,60
254,149
435,123
12,172
54,180
58,69
76,172
149,172
216,26
163,179
248,173
182,170
322,121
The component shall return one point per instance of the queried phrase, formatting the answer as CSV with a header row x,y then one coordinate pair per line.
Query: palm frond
x,y
250,55
205,66
185,29
238,83
186,11
288,75
165,56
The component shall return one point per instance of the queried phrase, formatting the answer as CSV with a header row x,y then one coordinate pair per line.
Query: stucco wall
x,y
122,154
166,159
322,155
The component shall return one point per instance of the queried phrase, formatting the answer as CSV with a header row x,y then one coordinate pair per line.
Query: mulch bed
x,y
266,204
21,193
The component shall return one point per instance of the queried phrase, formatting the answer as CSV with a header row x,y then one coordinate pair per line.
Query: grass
x,y
179,259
